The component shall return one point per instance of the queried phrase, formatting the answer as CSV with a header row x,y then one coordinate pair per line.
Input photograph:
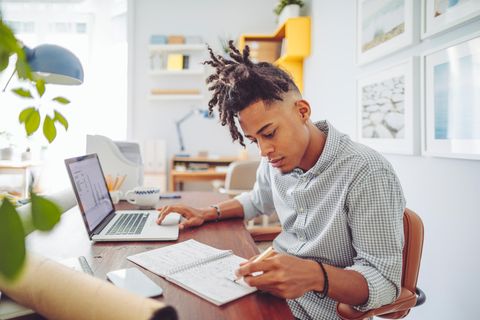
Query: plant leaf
x,y
45,213
4,60
61,100
60,118
22,92
40,87
12,242
32,122
23,116
49,130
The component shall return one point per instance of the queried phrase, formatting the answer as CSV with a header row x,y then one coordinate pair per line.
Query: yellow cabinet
x,y
293,37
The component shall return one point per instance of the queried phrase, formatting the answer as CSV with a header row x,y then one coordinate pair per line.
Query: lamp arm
x,y
179,130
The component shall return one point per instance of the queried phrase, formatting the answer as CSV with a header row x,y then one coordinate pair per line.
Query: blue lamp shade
x,y
54,64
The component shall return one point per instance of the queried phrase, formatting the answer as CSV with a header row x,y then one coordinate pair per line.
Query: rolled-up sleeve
x,y
375,216
258,201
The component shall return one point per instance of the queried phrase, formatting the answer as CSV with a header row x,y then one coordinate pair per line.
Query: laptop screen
x,y
90,188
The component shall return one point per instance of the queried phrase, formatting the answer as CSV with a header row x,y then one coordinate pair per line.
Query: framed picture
x,y
383,26
440,15
388,109
451,118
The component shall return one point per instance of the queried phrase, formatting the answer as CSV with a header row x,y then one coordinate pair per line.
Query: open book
x,y
199,268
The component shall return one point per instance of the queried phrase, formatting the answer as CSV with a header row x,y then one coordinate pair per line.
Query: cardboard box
x,y
174,39
264,50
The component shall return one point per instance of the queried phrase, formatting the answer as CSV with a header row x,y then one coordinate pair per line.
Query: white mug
x,y
116,196
145,197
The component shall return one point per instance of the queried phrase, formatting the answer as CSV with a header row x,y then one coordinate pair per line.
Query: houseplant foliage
x,y
283,3
44,213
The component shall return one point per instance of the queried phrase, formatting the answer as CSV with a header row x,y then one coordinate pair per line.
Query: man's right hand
x,y
193,217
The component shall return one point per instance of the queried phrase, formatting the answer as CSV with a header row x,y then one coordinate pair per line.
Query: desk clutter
x,y
78,295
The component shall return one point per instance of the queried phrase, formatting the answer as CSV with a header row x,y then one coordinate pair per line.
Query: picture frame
x,y
451,111
388,109
383,27
440,15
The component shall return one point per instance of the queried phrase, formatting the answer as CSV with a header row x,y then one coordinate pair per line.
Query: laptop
x,y
103,223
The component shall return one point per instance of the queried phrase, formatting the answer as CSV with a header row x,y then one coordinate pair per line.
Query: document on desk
x,y
199,268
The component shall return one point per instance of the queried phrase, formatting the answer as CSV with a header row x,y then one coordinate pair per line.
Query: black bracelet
x,y
217,210
324,292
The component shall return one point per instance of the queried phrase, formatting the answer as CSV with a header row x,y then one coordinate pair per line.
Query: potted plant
x,y
6,146
288,9
44,213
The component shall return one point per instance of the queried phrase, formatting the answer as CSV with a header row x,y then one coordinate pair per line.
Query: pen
x,y
170,196
264,255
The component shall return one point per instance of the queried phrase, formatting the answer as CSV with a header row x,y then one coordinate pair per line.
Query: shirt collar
x,y
329,152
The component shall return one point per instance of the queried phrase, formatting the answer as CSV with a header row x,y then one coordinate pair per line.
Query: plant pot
x,y
290,11
6,153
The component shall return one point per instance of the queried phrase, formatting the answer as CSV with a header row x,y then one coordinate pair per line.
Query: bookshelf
x,y
174,66
294,39
183,169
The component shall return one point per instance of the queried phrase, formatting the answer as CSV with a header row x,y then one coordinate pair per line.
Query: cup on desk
x,y
144,197
116,196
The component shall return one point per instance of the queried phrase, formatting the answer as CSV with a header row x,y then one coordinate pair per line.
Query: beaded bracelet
x,y
324,292
217,210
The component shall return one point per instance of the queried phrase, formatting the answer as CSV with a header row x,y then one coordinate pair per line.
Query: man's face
x,y
279,130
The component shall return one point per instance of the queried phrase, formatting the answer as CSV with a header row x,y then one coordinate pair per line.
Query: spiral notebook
x,y
204,270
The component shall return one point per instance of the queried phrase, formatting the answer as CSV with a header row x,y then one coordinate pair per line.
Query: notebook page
x,y
213,280
160,261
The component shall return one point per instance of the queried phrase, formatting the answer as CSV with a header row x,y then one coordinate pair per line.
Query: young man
x,y
340,203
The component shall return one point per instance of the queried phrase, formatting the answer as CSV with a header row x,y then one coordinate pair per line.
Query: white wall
x,y
208,19
444,192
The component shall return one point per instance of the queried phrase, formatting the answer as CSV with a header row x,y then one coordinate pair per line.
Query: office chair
x,y
240,177
410,295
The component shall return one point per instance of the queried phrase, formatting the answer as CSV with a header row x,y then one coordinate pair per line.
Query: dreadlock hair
x,y
238,82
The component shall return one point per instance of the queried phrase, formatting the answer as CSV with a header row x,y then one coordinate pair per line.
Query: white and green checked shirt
x,y
346,211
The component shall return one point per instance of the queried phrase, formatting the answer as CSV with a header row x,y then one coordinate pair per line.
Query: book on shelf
x,y
175,61
204,270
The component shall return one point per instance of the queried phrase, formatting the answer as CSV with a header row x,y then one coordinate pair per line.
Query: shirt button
x,y
301,209
301,238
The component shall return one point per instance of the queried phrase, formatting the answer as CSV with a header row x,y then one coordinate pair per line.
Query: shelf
x,y
177,72
177,47
295,33
165,97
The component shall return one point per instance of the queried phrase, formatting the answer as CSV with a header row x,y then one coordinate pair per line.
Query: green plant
x,y
224,44
44,213
283,3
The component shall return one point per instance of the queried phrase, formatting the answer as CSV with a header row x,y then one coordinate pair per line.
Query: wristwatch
x,y
217,210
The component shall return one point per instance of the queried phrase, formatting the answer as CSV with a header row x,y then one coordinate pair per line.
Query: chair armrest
x,y
264,233
406,301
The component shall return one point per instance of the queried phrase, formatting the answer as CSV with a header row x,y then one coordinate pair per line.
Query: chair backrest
x,y
241,175
410,295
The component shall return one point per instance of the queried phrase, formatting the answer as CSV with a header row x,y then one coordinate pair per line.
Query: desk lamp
x,y
204,113
54,64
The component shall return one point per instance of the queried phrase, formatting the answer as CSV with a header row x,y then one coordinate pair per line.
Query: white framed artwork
x,y
388,109
441,15
451,112
383,27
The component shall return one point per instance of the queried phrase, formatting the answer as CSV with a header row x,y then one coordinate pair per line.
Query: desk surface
x,y
70,238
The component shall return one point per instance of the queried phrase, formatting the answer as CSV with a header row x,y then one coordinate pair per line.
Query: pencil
x,y
264,255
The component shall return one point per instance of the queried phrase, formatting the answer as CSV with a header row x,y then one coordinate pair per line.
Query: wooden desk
x,y
189,173
70,238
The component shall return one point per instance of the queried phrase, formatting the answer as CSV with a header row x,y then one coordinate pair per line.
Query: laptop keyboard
x,y
128,223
